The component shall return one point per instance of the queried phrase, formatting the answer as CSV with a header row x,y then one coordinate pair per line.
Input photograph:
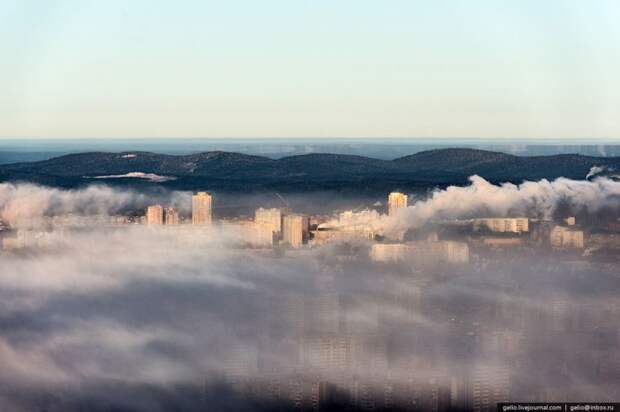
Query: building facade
x,y
171,216
388,252
155,215
294,230
269,218
562,237
396,200
202,208
502,225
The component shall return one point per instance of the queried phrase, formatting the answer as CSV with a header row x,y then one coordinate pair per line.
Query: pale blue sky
x,y
320,68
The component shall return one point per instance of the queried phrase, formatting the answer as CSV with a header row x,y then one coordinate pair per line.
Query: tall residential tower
x,y
201,208
294,230
396,200
269,218
155,215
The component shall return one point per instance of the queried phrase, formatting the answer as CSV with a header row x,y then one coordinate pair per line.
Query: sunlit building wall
x,y
202,208
171,216
294,229
250,233
396,200
269,217
326,233
155,215
570,221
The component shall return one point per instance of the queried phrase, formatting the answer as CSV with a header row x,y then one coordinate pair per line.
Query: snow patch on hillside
x,y
138,175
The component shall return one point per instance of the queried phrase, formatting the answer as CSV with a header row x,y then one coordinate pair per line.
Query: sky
x,y
321,68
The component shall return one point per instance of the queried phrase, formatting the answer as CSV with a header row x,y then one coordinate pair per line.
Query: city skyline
x,y
310,206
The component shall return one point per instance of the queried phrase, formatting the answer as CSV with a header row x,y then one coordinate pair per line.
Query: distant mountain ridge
x,y
236,171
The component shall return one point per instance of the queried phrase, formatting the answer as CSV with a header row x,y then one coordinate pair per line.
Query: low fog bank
x,y
139,318
23,205
542,199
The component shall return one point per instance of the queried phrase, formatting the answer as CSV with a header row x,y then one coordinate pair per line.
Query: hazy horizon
x,y
20,150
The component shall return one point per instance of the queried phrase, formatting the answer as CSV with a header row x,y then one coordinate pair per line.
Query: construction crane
x,y
287,206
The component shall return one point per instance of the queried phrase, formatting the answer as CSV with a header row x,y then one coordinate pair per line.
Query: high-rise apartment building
x,y
171,216
294,229
271,218
202,208
155,215
396,200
